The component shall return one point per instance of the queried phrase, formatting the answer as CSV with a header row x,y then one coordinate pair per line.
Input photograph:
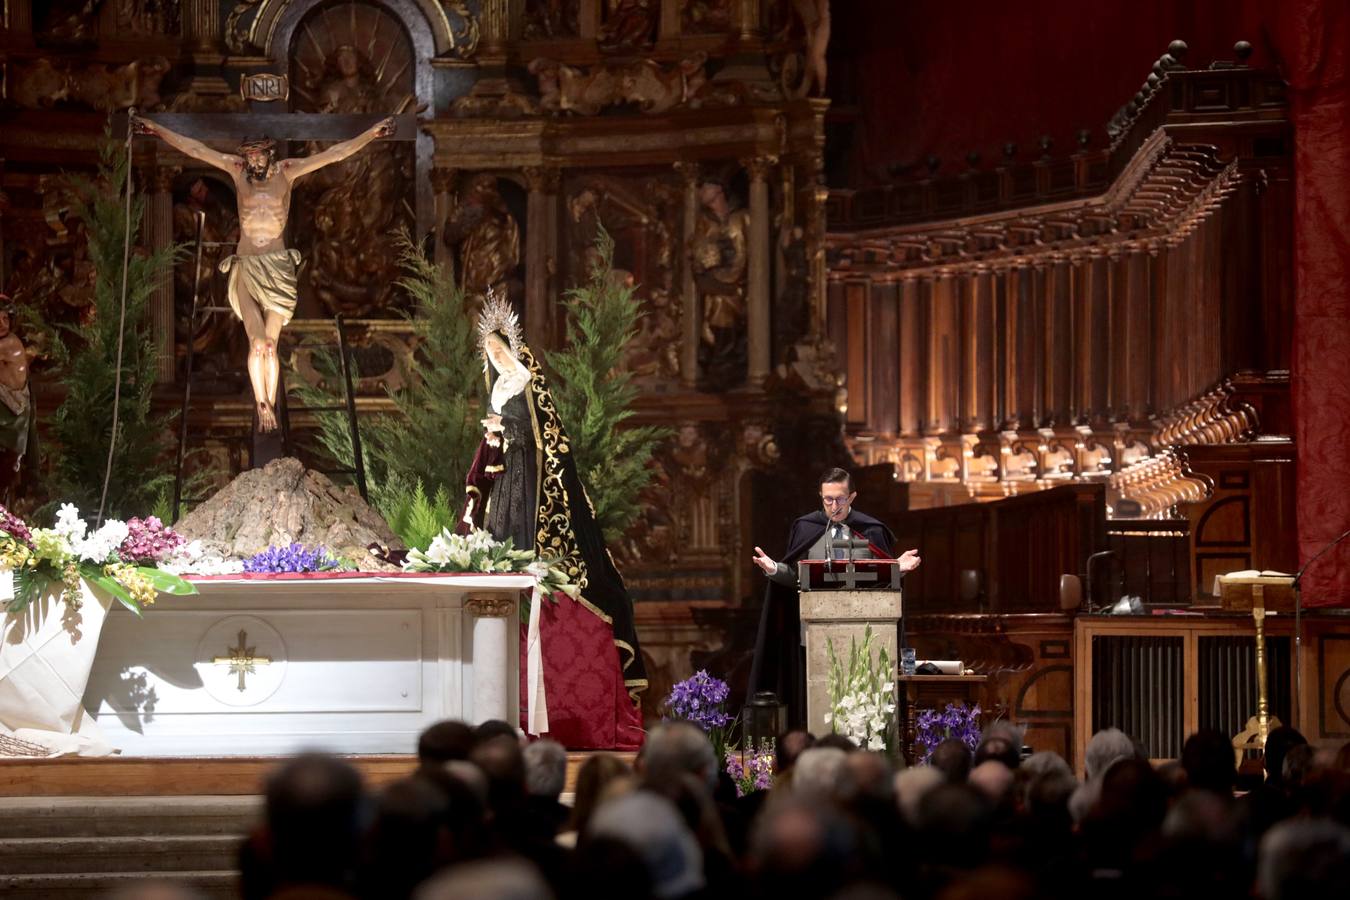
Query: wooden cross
x,y
241,660
212,127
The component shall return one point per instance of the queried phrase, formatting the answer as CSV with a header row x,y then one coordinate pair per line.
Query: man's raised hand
x,y
764,562
386,128
909,561
142,126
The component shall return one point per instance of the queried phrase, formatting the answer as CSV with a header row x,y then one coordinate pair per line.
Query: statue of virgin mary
x,y
524,485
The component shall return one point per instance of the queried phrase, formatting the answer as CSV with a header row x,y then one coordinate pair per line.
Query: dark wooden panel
x,y
1248,521
1018,547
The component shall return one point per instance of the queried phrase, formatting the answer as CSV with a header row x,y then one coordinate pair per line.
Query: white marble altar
x,y
347,665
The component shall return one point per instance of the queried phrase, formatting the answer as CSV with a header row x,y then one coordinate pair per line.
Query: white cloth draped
x,y
46,654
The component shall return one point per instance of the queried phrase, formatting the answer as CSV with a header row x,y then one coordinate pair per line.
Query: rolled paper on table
x,y
944,666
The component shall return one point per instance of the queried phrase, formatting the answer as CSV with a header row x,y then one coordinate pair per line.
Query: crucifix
x,y
263,285
241,660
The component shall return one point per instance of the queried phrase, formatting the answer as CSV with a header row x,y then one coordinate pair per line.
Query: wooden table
x,y
931,692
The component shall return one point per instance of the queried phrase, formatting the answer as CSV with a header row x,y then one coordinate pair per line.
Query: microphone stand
x,y
1298,619
829,546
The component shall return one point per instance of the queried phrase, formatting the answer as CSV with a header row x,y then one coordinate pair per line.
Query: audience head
x,y
445,741
993,779
821,775
502,764
953,759
1000,750
837,741
1303,859
1045,762
911,786
650,825
789,746
954,822
494,728
314,808
1299,762
871,776
1207,756
405,838
545,769
674,748
495,879
800,848
1278,743
595,774
1107,746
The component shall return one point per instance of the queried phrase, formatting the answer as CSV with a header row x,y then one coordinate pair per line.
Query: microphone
x,y
1298,576
829,545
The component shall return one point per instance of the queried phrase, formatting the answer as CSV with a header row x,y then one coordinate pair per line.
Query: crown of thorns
x,y
498,317
266,145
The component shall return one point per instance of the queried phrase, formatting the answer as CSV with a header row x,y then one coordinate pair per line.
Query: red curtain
x,y
1311,38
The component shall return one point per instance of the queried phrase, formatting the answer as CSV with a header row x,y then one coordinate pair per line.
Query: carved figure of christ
x,y
263,282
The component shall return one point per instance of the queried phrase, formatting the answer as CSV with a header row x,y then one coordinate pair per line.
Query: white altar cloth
x,y
258,665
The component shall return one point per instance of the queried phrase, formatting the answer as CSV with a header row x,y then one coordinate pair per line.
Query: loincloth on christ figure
x,y
269,278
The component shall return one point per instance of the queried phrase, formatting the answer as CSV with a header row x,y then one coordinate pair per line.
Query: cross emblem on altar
x,y
241,660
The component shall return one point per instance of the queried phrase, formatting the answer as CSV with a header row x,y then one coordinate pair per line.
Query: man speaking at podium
x,y
779,664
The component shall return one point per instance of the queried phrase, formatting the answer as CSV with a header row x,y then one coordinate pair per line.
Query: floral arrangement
x,y
751,771
121,558
700,700
479,551
293,558
862,696
956,721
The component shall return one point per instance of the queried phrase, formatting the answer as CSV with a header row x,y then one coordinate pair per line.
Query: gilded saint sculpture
x,y
718,257
487,238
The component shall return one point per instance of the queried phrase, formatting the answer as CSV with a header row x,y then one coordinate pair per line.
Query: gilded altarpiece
x,y
684,128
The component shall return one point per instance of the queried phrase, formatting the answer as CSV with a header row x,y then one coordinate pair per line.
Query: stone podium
x,y
842,616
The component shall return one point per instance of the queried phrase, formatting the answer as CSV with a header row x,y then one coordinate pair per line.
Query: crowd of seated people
x,y
483,818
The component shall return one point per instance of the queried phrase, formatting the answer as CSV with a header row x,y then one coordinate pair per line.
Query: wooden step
x,y
99,817
140,776
164,854
216,883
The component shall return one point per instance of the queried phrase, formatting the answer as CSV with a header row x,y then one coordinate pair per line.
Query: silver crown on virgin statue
x,y
498,316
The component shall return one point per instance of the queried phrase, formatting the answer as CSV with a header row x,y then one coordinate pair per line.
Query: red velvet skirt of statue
x,y
588,704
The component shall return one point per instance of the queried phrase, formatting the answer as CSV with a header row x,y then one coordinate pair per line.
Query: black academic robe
x,y
780,663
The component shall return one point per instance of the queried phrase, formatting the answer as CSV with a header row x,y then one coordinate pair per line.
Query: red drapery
x,y
1311,38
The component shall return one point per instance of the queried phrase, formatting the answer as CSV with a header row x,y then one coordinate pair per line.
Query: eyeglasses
x,y
835,501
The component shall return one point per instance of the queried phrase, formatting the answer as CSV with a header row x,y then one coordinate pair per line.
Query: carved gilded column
x,y
588,18
442,198
18,18
201,24
495,27
159,234
670,19
815,237
747,15
541,241
689,311
758,325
